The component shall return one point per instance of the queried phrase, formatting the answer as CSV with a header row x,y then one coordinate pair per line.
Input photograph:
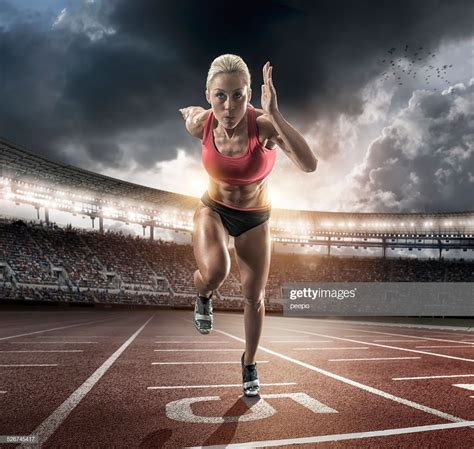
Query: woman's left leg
x,y
253,253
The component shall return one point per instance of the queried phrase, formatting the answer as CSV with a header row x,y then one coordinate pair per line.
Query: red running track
x,y
148,379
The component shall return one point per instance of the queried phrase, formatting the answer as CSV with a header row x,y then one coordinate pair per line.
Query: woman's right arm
x,y
195,118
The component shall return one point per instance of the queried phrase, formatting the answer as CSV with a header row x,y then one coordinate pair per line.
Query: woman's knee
x,y
214,275
254,299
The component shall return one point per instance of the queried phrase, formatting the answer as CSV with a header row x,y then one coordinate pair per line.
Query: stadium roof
x,y
20,165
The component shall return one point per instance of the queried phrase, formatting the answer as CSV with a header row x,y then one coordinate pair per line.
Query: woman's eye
x,y
238,95
220,95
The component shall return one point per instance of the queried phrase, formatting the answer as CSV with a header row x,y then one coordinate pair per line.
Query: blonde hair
x,y
228,63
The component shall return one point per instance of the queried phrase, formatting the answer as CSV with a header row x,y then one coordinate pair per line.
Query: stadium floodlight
x,y
110,211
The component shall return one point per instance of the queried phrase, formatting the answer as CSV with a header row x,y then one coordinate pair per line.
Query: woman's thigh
x,y
253,254
210,243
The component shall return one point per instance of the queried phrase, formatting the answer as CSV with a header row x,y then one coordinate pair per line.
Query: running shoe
x,y
250,383
203,317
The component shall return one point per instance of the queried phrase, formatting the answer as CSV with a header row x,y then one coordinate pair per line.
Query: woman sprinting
x,y
238,152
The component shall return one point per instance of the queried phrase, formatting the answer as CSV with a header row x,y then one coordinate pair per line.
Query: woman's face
x,y
229,96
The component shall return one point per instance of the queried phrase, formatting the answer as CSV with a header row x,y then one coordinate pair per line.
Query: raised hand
x,y
269,96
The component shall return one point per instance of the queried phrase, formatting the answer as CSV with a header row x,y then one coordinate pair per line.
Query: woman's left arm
x,y
285,136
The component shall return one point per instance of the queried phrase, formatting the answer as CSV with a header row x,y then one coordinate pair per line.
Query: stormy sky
x,y
98,84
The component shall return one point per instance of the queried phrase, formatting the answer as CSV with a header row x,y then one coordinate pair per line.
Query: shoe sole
x,y
251,395
202,331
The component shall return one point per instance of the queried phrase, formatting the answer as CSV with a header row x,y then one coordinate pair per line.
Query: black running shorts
x,y
237,221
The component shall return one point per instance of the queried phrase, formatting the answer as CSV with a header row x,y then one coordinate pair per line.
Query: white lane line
x,y
398,341
338,437
447,346
198,350
355,336
373,358
434,354
2,392
446,376
32,364
426,327
200,363
193,342
301,341
172,387
466,341
53,342
51,424
73,336
444,334
45,350
353,383
332,349
338,326
192,337
277,336
380,333
465,386
58,328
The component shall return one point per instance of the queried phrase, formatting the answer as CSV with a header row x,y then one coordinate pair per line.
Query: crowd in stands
x,y
50,263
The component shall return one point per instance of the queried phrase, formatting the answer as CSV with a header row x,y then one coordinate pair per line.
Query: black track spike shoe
x,y
203,316
250,383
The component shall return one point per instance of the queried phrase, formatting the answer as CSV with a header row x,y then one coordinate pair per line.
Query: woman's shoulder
x,y
265,127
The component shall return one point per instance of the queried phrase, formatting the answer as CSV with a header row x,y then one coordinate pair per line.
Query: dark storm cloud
x,y
111,69
322,51
424,161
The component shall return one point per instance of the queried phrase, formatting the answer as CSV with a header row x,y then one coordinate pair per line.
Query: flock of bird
x,y
405,63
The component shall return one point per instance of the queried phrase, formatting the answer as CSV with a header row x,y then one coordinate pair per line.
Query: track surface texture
x,y
148,379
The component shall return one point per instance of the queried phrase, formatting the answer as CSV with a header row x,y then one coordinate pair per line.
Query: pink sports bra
x,y
254,165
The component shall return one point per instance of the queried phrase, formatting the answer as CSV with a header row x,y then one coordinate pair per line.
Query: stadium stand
x,y
50,263
40,261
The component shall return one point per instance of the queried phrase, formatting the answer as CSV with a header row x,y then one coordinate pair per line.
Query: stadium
x,y
68,265
57,282
236,225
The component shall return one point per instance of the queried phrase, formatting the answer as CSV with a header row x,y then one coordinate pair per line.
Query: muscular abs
x,y
248,196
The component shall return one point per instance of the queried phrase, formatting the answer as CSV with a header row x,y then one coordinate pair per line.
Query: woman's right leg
x,y
210,246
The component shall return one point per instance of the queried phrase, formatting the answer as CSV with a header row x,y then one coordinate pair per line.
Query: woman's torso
x,y
248,195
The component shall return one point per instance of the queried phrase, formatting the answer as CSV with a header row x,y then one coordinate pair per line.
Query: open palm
x,y
269,96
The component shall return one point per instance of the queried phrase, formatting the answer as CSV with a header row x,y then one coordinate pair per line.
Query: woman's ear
x,y
250,94
207,97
